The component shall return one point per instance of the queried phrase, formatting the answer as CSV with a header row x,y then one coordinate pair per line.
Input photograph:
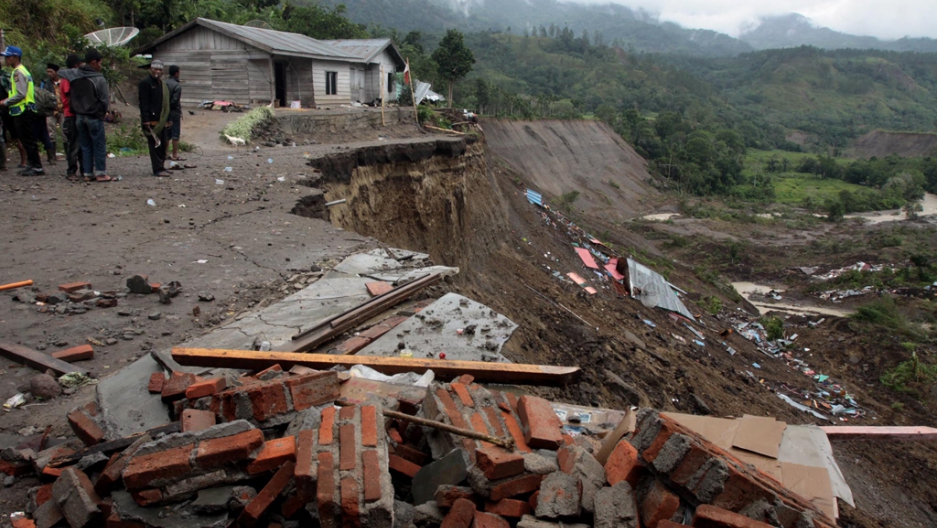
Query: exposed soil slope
x,y
558,157
906,144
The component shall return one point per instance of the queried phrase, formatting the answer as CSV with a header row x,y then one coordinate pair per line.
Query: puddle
x,y
748,289
929,203
660,217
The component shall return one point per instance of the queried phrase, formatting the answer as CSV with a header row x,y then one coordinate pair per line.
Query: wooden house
x,y
250,65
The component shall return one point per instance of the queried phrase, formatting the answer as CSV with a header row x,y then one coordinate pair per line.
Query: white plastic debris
x,y
151,202
406,378
228,169
219,182
15,401
269,160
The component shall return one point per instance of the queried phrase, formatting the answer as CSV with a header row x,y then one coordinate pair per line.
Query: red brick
x,y
542,428
170,463
412,454
203,388
352,345
15,469
228,449
465,379
350,516
451,410
155,286
114,521
488,520
157,380
658,504
257,507
509,508
515,487
272,368
460,515
194,420
708,516
463,394
19,520
623,464
78,353
293,504
106,303
147,497
479,425
325,489
346,414
402,465
43,494
305,478
496,463
376,331
533,500
85,428
690,464
512,400
175,386
740,490
313,389
326,426
493,420
273,454
348,451
51,473
446,495
394,435
372,475
369,426
72,287
268,400
378,288
515,431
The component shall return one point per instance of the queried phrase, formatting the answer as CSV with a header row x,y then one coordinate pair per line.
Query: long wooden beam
x,y
858,432
335,326
514,373
36,359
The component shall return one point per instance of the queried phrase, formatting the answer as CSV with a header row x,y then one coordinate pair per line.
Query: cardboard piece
x,y
759,434
811,483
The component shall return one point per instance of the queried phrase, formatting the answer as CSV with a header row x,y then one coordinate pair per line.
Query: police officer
x,y
20,103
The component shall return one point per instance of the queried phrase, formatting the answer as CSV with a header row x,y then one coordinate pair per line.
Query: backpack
x,y
45,102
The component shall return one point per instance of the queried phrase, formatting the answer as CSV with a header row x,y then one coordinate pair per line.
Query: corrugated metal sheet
x,y
651,283
586,258
365,49
534,197
280,42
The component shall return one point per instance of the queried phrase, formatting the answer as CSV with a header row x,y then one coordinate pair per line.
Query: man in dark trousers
x,y
175,110
154,116
21,103
88,99
69,124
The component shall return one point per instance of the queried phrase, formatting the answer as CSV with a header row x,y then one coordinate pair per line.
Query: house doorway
x,y
279,69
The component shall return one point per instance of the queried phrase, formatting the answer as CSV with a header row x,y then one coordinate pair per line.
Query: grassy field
x,y
794,187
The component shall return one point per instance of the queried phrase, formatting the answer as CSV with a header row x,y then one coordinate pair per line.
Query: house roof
x,y
368,49
269,40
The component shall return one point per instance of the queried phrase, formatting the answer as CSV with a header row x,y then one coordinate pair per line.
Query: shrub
x,y
910,371
245,125
774,326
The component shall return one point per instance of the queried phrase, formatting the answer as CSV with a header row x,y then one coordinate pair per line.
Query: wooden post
x,y
416,113
383,96
273,84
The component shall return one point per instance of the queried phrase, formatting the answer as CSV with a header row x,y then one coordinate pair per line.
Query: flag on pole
x,y
406,73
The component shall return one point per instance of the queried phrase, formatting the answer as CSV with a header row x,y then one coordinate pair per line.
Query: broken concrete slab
x,y
450,469
179,517
458,326
377,260
127,405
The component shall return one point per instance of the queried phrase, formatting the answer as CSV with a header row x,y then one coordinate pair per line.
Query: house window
x,y
391,79
331,83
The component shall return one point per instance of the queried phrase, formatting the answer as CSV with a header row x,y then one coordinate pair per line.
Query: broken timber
x,y
514,373
507,443
37,360
114,445
341,323
855,432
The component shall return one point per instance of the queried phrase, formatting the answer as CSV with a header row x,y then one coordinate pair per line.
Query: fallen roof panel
x,y
586,258
654,288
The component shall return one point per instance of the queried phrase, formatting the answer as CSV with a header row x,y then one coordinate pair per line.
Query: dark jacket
x,y
175,99
151,99
89,95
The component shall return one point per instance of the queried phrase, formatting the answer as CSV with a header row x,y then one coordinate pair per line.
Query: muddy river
x,y
755,294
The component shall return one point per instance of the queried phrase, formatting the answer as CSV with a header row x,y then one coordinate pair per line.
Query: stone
x,y
139,284
450,469
403,514
44,386
155,316
427,514
539,464
630,394
178,517
205,297
700,404
615,507
529,521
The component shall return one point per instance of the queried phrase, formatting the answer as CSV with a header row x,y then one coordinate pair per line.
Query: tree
x,y
453,59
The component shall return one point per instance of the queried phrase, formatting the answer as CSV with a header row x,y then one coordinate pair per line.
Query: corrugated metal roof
x,y
280,42
365,49
654,289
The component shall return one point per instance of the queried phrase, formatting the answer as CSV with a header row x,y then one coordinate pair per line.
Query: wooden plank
x,y
37,360
859,432
514,373
335,326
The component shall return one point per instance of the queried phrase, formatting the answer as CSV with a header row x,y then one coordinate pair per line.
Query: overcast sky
x,y
887,19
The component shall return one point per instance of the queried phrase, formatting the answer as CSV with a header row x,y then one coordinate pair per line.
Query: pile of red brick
x,y
278,448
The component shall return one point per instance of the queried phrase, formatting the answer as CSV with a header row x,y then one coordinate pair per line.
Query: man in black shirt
x,y
154,116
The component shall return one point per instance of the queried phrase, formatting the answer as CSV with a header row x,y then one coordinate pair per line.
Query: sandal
x,y
73,178
176,159
103,179
162,174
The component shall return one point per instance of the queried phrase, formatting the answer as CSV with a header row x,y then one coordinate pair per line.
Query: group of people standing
x,y
82,99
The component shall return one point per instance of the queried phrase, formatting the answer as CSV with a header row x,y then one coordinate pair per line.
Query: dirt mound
x,y
906,144
560,157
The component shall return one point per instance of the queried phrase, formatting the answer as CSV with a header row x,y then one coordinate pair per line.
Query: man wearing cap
x,y
19,102
155,104
89,98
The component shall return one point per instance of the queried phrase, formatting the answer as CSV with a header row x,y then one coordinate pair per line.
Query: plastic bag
x,y
407,378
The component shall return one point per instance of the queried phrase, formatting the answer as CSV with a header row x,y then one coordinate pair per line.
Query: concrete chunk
x,y
615,507
559,496
450,469
77,499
